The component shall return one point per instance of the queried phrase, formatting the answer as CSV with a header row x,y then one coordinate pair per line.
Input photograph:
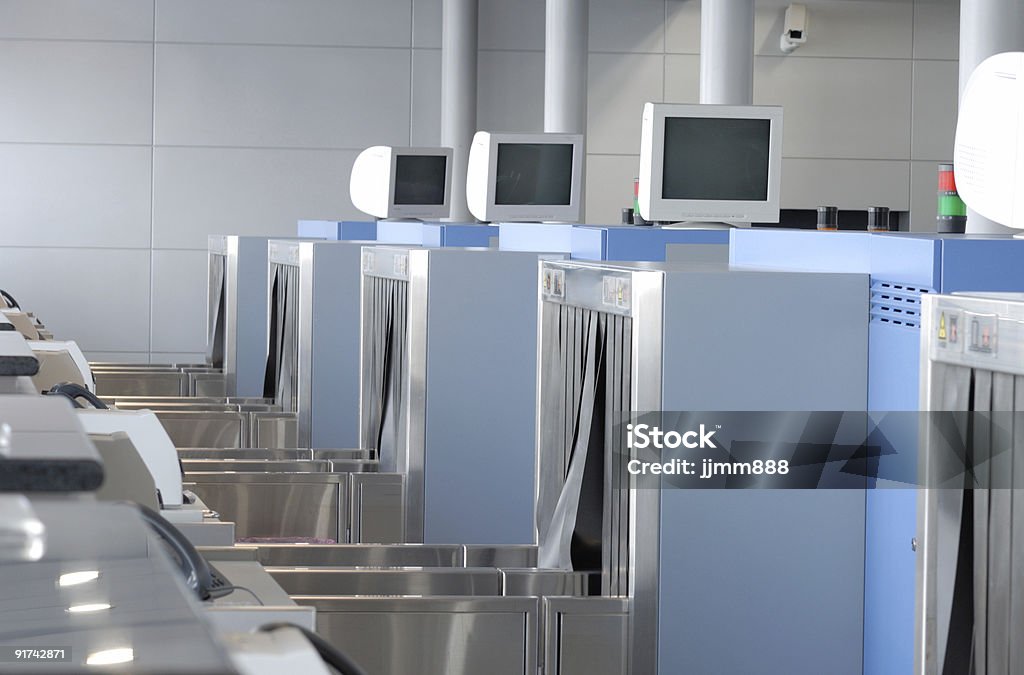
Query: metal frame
x,y
934,502
646,307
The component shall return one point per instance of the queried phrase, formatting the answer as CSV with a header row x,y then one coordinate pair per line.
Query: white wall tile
x,y
384,23
682,78
848,184
936,29
97,297
619,85
935,109
426,97
74,195
510,92
610,186
202,191
511,25
77,20
867,28
75,92
856,108
178,357
682,26
179,301
281,96
117,357
426,23
924,185
636,26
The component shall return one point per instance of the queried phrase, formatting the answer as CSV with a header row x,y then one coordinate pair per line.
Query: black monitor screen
x,y
419,179
716,158
534,173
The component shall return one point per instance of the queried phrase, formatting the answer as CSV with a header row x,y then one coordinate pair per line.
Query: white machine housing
x,y
988,153
654,207
482,176
73,350
149,438
372,184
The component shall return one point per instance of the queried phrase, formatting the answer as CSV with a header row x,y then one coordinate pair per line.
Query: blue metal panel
x,y
481,401
800,249
551,237
469,235
334,370
408,232
345,230
434,235
756,577
632,242
982,264
908,258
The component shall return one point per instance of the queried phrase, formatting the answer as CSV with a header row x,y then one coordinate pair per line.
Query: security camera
x,y
794,30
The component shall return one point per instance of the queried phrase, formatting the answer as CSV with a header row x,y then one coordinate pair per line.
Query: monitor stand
x,y
700,225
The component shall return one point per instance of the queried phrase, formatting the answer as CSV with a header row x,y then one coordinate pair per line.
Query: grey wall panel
x,y
935,109
281,96
502,72
848,184
426,24
75,195
179,301
610,185
859,108
637,26
75,92
425,128
291,22
682,78
98,297
77,20
259,192
937,29
682,26
924,184
619,84
512,25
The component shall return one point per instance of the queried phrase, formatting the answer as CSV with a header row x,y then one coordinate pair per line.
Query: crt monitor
x,y
710,164
390,182
525,177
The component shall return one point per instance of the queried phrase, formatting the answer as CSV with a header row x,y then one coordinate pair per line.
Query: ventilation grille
x,y
897,304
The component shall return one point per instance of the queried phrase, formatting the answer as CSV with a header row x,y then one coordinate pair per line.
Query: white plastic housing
x,y
149,438
72,348
652,159
372,183
988,153
482,176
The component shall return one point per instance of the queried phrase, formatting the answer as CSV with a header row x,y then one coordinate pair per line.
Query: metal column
x,y
987,27
458,93
566,32
727,51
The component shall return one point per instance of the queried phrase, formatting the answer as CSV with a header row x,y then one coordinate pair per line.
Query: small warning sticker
x,y
942,327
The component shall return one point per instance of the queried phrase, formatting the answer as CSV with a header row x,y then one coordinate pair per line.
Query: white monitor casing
x,y
652,157
481,180
988,153
372,184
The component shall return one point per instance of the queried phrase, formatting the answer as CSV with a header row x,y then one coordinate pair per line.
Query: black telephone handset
x,y
75,391
198,573
9,299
